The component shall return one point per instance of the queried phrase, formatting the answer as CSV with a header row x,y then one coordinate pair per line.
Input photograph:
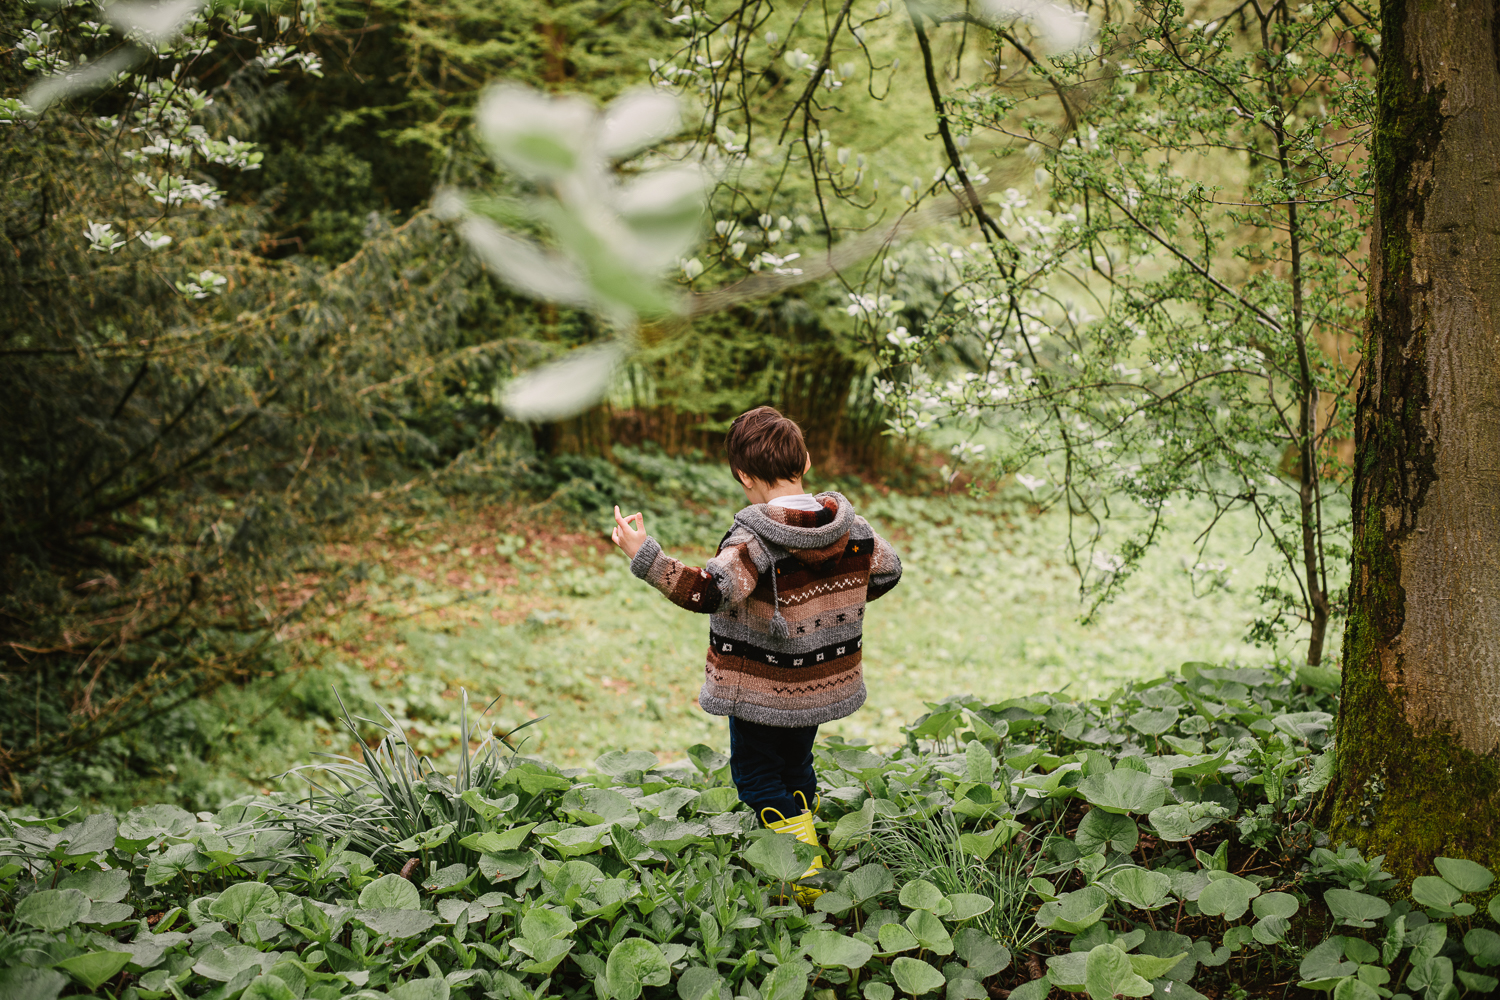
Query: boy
x,y
787,593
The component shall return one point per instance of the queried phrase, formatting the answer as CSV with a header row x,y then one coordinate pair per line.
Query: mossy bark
x,y
1419,729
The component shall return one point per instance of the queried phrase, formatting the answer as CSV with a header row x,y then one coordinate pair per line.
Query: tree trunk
x,y
1419,730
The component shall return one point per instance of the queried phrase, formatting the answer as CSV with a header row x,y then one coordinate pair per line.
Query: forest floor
x,y
531,607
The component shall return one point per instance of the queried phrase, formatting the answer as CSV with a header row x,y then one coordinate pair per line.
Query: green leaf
x,y
1145,890
634,963
1153,721
979,763
1108,974
1270,930
1353,989
1478,982
981,953
1074,912
835,903
246,901
982,845
787,982
916,977
100,887
573,841
1037,989
853,827
1100,830
1354,909
921,894
1494,909
618,764
268,987
488,809
1069,971
1155,966
967,906
540,924
1464,875
1276,904
20,982
502,867
895,937
1484,945
1124,791
698,983
878,991
829,948
399,924
930,932
97,967
775,856
1179,821
53,910
96,833
223,965
497,843
390,892
420,989
1227,897
1325,961
1429,890
866,882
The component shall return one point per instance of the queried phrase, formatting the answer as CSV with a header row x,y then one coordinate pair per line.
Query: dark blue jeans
x,y
769,763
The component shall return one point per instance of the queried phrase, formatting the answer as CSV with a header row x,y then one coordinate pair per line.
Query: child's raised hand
x,y
628,538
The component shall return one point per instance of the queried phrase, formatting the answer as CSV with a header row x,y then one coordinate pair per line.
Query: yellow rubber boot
x,y
802,828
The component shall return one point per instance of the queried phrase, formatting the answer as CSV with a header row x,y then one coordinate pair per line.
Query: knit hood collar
x,y
776,524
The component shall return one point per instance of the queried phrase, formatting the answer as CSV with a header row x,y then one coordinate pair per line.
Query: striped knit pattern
x,y
827,565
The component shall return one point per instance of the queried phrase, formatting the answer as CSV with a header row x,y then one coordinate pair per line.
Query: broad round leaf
x,y
930,932
916,977
1124,790
430,988
390,892
53,910
1068,971
878,991
1354,989
1276,904
698,983
1429,890
95,968
1354,909
20,982
1464,875
397,923
983,954
1227,897
787,982
866,882
895,937
633,963
1484,945
1105,831
921,895
1145,890
1108,973
268,987
100,887
967,906
1271,929
829,948
1074,912
776,857
245,901
1153,721
637,119
537,136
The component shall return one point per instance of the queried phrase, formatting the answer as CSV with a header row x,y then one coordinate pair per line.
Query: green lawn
x,y
530,606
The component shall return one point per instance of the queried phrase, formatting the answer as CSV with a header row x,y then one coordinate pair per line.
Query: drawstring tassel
x,y
779,628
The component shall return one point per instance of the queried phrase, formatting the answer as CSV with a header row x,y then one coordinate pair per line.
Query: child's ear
x,y
808,467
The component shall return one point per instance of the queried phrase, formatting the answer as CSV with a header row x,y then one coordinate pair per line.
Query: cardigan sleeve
x,y
727,579
885,569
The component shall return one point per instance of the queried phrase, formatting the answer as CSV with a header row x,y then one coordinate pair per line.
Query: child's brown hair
x,y
764,444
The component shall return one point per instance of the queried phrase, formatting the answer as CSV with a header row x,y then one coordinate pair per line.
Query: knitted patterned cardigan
x,y
784,646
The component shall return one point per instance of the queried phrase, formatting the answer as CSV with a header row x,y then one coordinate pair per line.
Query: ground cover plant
x,y
1159,842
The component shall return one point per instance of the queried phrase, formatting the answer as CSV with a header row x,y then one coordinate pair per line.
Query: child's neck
x,y
762,493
